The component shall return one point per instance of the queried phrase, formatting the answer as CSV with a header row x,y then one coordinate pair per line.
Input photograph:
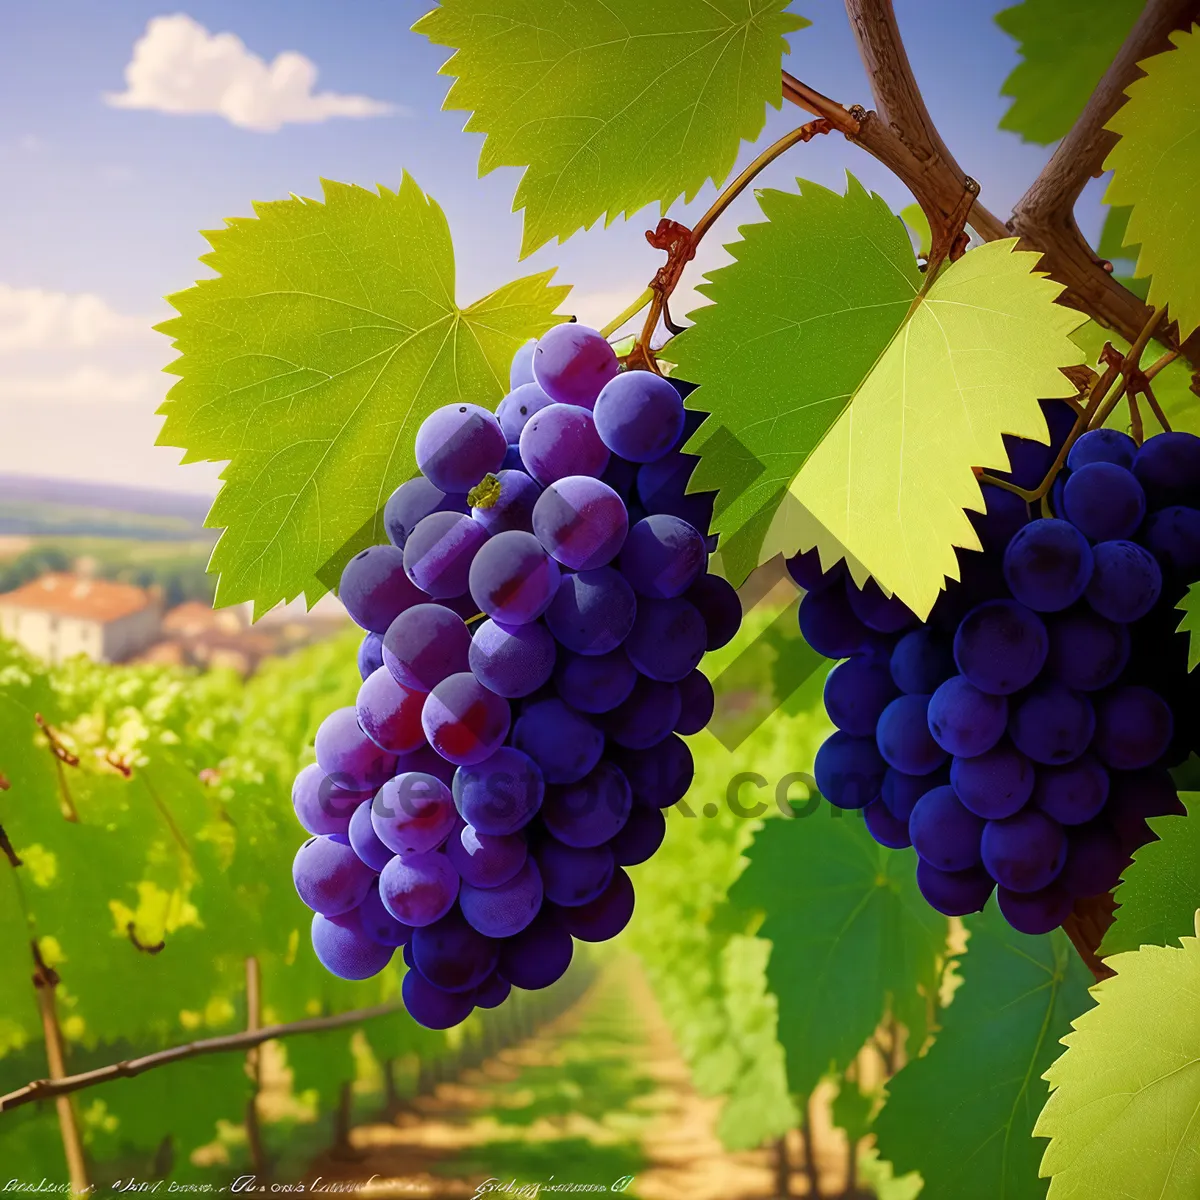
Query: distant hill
x,y
37,507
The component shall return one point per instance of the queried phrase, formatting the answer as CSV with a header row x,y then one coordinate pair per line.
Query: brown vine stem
x,y
1129,367
680,243
42,1089
1045,216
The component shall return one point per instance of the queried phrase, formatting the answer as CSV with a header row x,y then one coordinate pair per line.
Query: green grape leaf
x,y
915,218
610,107
1190,607
1112,235
963,1113
1156,170
864,400
1121,1117
1172,385
329,334
1161,891
850,934
1066,46
853,1110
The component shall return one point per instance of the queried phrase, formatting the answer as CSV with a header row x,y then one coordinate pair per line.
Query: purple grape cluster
x,y
534,628
1019,738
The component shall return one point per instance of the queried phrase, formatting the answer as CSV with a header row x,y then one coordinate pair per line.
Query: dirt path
x,y
599,1097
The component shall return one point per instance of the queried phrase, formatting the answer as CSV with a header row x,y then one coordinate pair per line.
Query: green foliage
x,y
963,1113
1161,891
843,440
851,937
1066,46
1122,1110
329,334
1190,607
773,308
1156,170
610,106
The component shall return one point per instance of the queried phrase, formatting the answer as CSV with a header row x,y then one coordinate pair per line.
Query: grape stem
x,y
681,243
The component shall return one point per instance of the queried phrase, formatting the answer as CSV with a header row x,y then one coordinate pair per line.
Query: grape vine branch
x,y
901,134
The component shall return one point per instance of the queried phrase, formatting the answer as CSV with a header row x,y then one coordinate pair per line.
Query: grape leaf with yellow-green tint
x,y
839,383
1156,169
611,106
329,334
1122,1114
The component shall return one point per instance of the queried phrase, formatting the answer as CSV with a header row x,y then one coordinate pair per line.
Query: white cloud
x,y
36,319
179,67
86,385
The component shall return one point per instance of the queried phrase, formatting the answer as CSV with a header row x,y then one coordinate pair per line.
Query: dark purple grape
x,y
901,792
921,660
390,713
350,759
464,722
365,841
605,917
1024,852
1073,794
453,956
1126,581
413,813
512,578
1102,446
424,645
903,737
884,614
414,501
965,721
457,445
320,806
514,411
1173,537
639,415
562,742
849,771
1086,651
1168,468
343,948
807,572
503,793
370,654
512,660
592,612
1104,502
720,607
561,440
647,716
1052,724
1036,912
505,501
590,811
944,832
829,626
1047,565
1134,726
581,521
419,888
661,487
379,924
492,992
640,836
574,875
431,1006
856,693
1095,859
595,683
886,829
504,910
1005,513
995,784
659,775
667,640
954,893
696,703
1030,460
572,363
329,877
374,588
539,955
485,860
439,553
1001,646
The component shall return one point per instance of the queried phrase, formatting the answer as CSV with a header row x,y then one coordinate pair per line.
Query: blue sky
x,y
101,204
